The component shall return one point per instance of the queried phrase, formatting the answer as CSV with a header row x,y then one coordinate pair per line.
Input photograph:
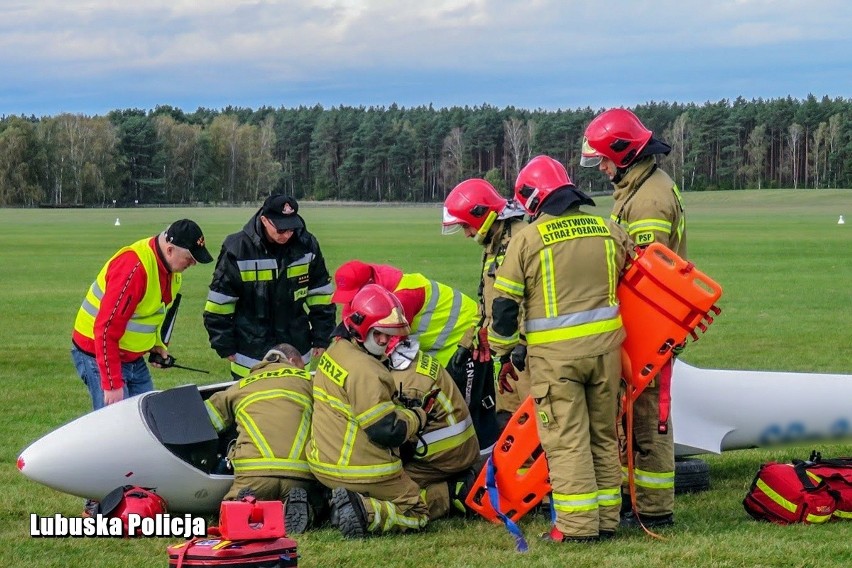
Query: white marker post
x,y
841,221
117,222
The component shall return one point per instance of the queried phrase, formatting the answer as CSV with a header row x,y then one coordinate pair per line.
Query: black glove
x,y
404,400
519,357
460,357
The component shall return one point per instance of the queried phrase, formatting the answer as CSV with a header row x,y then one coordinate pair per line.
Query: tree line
x,y
239,155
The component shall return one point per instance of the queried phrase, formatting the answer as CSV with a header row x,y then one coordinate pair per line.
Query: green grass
x,y
782,260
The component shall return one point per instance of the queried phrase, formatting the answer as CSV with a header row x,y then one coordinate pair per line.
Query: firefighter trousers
x,y
271,488
653,455
392,505
435,486
576,404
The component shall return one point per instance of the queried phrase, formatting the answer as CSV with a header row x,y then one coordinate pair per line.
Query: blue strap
x,y
494,497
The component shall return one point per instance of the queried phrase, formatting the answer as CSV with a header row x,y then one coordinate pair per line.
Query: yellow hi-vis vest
x,y
444,318
143,329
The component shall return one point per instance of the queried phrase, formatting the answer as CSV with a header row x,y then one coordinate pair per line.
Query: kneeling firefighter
x,y
272,409
443,321
444,458
357,426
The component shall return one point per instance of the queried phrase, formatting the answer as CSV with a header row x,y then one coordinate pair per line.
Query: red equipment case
x,y
270,553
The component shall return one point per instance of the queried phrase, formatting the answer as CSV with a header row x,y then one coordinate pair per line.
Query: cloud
x,y
224,49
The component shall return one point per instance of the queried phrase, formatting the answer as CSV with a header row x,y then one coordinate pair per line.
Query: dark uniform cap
x,y
282,211
186,233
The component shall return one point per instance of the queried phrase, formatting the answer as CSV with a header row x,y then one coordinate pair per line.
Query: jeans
x,y
137,376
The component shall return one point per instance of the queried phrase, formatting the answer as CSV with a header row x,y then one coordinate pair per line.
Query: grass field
x,y
782,259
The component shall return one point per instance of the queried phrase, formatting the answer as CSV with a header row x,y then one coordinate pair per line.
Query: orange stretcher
x,y
663,300
521,488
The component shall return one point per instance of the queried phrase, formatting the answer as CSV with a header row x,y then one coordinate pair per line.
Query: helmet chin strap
x,y
482,233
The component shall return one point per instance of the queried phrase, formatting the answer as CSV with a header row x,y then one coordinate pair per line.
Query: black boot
x,y
298,513
348,513
632,520
555,535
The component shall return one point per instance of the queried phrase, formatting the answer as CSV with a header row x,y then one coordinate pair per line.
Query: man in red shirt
x,y
123,312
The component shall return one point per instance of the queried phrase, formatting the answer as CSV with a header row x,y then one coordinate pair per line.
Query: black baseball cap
x,y
283,212
186,233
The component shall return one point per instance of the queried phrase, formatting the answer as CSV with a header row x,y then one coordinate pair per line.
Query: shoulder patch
x,y
428,366
329,367
644,238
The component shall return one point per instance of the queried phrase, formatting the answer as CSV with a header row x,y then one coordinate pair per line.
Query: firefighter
x,y
562,270
443,321
270,286
357,426
648,205
475,207
444,458
271,409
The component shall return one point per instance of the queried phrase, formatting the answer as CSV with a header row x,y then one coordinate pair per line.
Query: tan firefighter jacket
x,y
451,443
563,271
272,410
353,393
495,251
649,206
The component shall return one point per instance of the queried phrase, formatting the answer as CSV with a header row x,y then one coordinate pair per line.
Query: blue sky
x,y
93,56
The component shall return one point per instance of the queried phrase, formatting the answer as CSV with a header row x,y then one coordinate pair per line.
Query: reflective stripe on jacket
x,y
143,329
451,442
272,409
445,317
563,271
263,294
650,207
353,391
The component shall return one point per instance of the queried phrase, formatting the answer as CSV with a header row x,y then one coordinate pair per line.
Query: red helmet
x,y
475,203
375,309
537,180
617,134
124,501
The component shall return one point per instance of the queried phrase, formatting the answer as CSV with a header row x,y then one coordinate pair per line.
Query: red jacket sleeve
x,y
126,282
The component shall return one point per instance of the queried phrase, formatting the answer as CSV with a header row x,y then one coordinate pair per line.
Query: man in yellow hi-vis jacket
x,y
443,459
123,314
357,426
272,409
563,270
649,206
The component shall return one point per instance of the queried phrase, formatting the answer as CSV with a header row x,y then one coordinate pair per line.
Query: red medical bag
x,y
786,493
212,551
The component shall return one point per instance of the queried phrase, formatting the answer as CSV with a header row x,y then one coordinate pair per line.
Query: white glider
x,y
164,440
715,410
